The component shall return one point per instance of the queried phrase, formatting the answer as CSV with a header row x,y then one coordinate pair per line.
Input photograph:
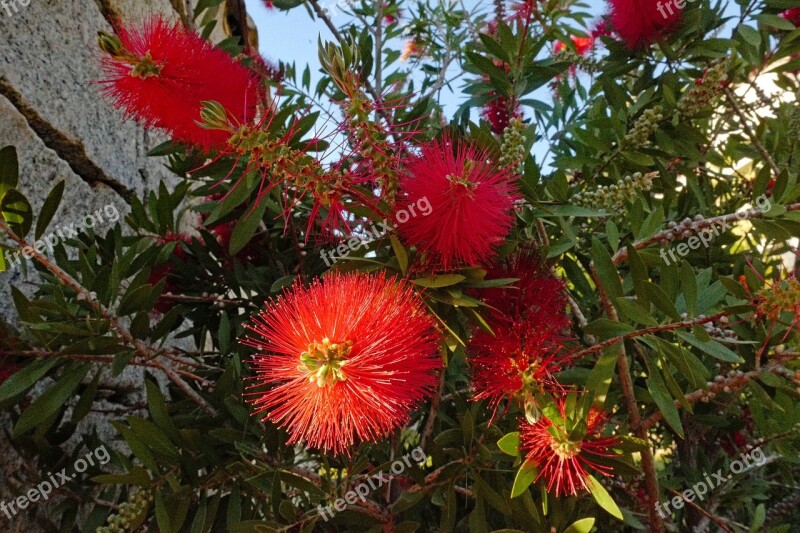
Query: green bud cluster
x,y
371,142
704,91
512,148
614,197
125,519
585,63
644,127
285,164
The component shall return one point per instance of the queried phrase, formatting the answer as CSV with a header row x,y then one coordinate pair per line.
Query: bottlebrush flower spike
x,y
159,74
792,15
345,359
641,22
530,323
582,45
471,198
562,459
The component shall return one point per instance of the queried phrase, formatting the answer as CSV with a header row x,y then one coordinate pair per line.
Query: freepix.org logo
x,y
373,482
107,215
11,7
373,233
55,480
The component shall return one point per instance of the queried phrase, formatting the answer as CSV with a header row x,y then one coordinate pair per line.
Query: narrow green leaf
x,y
49,209
9,169
664,401
246,227
660,299
713,348
401,253
26,378
603,498
525,476
435,282
584,525
51,400
606,271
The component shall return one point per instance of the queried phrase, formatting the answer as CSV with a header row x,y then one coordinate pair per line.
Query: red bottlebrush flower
x,y
792,15
641,22
391,13
471,203
160,73
601,29
530,323
7,371
564,463
499,111
582,45
345,359
269,5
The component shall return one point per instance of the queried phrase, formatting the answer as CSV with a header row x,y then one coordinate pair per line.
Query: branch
x,y
339,37
626,382
648,331
88,297
745,127
731,383
670,234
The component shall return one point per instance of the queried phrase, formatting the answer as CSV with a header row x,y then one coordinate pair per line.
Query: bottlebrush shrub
x,y
549,368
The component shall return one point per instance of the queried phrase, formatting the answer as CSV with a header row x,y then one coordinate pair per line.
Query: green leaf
x,y
162,514
689,285
136,300
664,401
660,299
157,406
49,209
51,400
750,35
584,525
509,444
435,282
401,253
603,498
606,271
17,211
712,348
525,476
26,378
599,380
9,169
635,312
246,227
607,329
